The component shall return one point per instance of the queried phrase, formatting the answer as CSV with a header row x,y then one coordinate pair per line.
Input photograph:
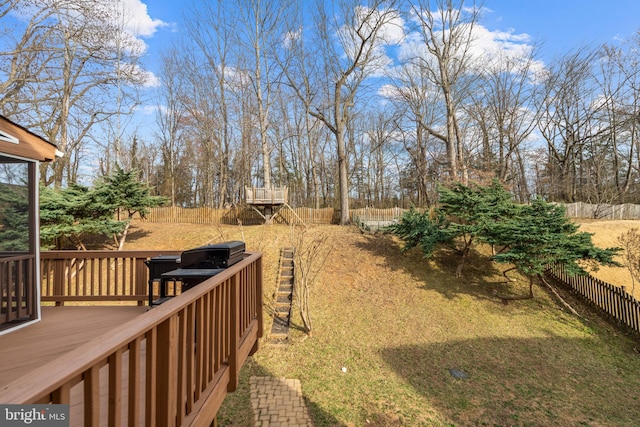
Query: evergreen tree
x,y
124,191
106,209
14,218
126,196
472,211
465,213
428,230
541,234
532,236
74,213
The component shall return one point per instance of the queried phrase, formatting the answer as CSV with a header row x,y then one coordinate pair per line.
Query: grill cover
x,y
219,255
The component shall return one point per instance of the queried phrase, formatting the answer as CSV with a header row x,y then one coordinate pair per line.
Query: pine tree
x,y
74,213
14,218
126,196
465,213
540,234
426,230
472,211
532,237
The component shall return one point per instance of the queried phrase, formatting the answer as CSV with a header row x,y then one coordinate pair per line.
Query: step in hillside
x,y
283,299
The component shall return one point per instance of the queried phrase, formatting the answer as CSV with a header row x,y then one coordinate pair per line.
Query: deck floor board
x,y
61,330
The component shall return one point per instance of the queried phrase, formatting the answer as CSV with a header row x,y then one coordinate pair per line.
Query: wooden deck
x,y
61,330
118,365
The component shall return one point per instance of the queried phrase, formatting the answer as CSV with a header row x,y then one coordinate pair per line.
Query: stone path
x,y
278,402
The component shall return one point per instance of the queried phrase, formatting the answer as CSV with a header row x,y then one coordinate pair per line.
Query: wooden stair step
x,y
278,336
283,298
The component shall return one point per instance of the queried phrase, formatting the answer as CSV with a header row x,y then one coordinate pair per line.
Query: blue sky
x,y
562,25
558,25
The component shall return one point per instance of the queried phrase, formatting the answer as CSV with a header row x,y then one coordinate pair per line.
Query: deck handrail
x,y
262,195
96,275
181,357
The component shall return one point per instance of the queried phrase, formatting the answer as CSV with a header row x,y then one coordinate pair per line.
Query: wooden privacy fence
x,y
612,300
232,216
235,215
602,210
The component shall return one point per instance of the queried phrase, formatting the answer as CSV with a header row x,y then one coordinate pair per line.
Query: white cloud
x,y
136,18
490,44
487,47
149,79
149,110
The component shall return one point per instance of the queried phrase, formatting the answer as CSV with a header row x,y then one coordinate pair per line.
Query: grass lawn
x,y
399,323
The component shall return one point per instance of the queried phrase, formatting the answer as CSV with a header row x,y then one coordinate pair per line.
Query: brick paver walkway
x,y
278,402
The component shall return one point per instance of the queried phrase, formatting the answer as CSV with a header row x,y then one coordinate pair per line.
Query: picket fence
x,y
364,216
610,299
614,301
247,216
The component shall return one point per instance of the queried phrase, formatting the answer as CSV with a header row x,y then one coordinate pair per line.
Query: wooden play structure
x,y
268,202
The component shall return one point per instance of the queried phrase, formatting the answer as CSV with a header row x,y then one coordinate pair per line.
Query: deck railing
x,y
171,366
17,297
96,276
266,196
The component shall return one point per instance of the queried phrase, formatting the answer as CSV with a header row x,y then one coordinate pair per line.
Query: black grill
x,y
220,255
161,264
192,267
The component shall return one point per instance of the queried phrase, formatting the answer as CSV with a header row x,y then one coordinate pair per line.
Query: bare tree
x,y
261,33
503,111
171,119
630,243
619,79
62,75
310,253
348,49
214,81
567,121
447,33
416,102
23,54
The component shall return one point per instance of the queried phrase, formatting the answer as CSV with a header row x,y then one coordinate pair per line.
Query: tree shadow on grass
x,y
481,278
549,380
136,234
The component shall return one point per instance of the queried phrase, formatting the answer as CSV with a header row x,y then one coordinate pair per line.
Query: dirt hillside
x,y
269,239
605,235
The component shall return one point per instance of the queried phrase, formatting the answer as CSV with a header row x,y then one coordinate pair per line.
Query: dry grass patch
x,y
398,323
605,234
